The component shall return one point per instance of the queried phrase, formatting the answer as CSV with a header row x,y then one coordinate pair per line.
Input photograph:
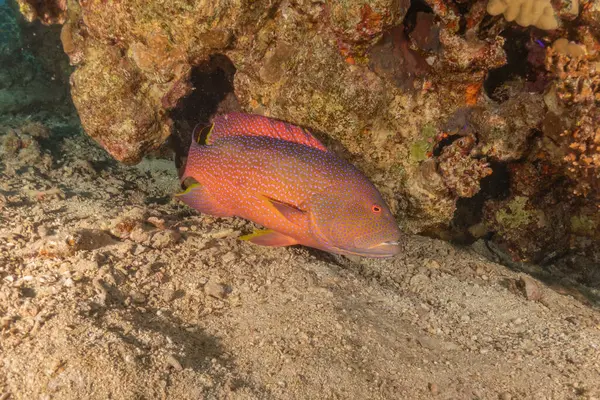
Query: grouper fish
x,y
281,177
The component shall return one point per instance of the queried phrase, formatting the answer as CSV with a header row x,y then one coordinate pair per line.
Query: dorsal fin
x,y
239,124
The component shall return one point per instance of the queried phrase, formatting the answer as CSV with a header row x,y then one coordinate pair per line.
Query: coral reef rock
x,y
444,107
504,131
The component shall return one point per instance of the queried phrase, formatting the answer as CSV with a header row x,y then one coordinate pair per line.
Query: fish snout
x,y
386,249
380,244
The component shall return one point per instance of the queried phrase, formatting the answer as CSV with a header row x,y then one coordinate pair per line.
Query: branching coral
x,y
578,88
578,76
538,13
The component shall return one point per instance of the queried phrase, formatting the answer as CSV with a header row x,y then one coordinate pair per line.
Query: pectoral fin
x,y
196,196
293,214
268,237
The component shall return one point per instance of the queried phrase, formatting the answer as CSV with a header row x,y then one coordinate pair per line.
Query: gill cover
x,y
353,218
325,222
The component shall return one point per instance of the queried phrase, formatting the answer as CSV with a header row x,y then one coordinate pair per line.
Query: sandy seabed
x,y
110,289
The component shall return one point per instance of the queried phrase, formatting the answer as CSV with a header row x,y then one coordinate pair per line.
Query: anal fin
x,y
268,237
197,197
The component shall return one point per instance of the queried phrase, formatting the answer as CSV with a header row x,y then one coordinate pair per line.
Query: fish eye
x,y
376,209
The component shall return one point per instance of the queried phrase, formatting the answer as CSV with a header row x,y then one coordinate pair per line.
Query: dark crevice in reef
x,y
440,145
516,66
486,24
463,9
497,185
212,81
410,20
469,211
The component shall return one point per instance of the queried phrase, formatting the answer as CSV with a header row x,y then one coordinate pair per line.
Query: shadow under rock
x,y
554,276
213,83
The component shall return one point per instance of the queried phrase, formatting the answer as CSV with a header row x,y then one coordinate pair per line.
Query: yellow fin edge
x,y
199,134
256,233
210,131
188,189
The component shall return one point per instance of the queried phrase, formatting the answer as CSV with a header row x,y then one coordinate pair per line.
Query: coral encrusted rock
x,y
444,107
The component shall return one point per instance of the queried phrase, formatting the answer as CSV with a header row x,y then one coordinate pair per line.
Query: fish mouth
x,y
387,249
390,243
390,248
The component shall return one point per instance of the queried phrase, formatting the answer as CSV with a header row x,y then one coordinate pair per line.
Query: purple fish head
x,y
354,219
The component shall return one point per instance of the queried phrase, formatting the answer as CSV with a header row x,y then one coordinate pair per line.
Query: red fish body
x,y
281,177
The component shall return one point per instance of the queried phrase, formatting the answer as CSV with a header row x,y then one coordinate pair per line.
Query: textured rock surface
x,y
448,110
